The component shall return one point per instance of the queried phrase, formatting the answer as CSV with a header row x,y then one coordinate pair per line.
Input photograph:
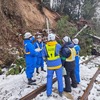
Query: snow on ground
x,y
87,72
54,96
13,87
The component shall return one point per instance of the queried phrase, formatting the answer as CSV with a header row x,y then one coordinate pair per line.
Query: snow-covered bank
x,y
14,87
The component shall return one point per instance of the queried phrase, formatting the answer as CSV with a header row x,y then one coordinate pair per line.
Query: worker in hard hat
x,y
51,53
30,57
77,69
40,62
68,54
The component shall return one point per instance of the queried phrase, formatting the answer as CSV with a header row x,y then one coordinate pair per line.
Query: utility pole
x,y
47,21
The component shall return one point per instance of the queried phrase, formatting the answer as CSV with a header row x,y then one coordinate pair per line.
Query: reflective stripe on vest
x,y
27,53
51,52
54,67
39,46
72,56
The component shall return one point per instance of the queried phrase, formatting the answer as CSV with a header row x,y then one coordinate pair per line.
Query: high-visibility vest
x,y
72,56
51,52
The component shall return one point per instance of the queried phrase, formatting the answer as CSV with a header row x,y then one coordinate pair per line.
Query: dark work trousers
x,y
70,66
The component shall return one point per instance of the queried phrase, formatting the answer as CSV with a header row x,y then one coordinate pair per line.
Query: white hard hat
x,y
51,37
75,41
67,39
27,35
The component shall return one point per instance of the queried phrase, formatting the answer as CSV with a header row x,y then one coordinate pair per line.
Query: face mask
x,y
32,39
39,40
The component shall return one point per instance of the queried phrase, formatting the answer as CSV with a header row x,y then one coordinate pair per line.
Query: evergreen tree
x,y
75,9
88,8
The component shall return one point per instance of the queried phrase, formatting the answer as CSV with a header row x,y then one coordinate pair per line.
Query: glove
x,y
38,50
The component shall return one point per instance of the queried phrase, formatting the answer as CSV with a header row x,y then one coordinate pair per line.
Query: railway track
x,y
34,93
86,61
42,88
88,89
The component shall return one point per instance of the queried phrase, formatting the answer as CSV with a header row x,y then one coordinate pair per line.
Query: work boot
x,y
78,83
60,94
42,69
31,82
67,90
48,95
37,70
74,85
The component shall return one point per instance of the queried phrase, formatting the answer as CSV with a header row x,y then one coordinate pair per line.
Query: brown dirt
x,y
19,16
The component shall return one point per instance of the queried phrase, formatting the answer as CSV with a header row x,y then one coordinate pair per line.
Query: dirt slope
x,y
19,16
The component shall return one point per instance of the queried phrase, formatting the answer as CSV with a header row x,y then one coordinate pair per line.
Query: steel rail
x,y
88,89
34,93
86,61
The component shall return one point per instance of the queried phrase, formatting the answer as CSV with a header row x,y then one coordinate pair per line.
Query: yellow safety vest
x,y
51,52
72,56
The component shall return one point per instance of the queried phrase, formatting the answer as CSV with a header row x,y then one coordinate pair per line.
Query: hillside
x,y
23,15
19,16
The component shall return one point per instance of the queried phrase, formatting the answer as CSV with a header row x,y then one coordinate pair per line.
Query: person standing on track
x,y
51,53
30,57
40,62
77,69
68,61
